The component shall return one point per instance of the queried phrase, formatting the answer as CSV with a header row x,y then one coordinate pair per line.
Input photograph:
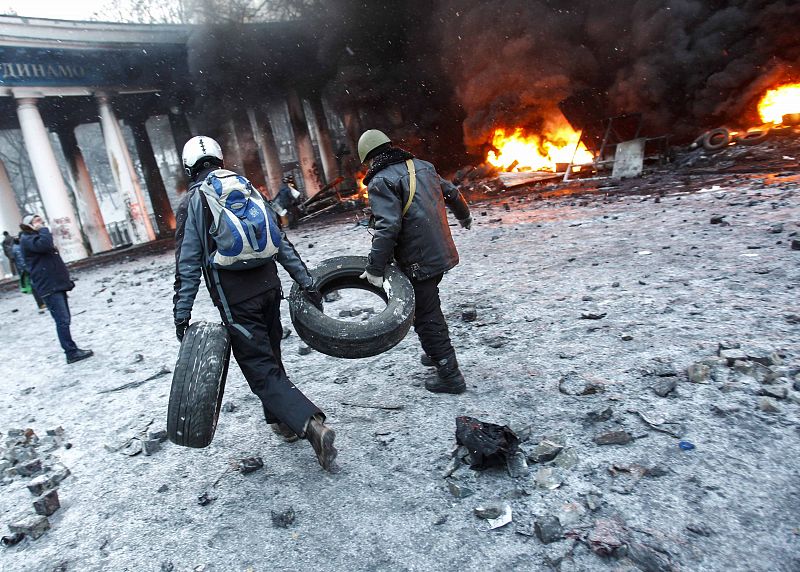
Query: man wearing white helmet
x,y
408,199
244,287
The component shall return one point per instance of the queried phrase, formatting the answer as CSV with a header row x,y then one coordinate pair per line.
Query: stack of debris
x,y
29,457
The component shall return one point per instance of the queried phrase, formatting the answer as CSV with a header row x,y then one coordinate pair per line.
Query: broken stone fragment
x,y
774,391
761,355
469,314
606,537
732,355
517,466
719,219
567,459
613,438
33,525
458,490
548,478
160,435
489,510
229,407
665,385
548,529
249,464
768,405
600,415
57,432
48,503
151,446
698,373
648,558
58,473
303,350
284,518
545,451
573,383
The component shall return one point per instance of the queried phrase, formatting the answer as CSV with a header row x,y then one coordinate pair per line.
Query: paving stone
x,y
698,373
33,525
545,451
732,355
774,391
548,529
29,468
48,503
665,385
768,405
160,435
613,438
151,446
59,472
40,484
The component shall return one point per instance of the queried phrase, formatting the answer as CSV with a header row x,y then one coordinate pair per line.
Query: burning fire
x,y
362,188
779,102
518,151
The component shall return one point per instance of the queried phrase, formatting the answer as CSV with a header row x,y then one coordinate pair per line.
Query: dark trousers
x,y
429,322
13,265
259,358
59,309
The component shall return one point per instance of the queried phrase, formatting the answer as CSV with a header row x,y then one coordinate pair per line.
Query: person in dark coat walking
x,y
248,301
408,197
50,278
8,245
288,197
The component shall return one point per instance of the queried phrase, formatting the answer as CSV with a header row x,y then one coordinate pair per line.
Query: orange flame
x,y
362,188
518,151
779,102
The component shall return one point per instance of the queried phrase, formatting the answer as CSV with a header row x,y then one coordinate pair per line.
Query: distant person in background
x,y
8,244
25,285
288,198
50,278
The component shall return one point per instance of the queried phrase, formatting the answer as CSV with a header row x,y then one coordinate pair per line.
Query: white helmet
x,y
199,148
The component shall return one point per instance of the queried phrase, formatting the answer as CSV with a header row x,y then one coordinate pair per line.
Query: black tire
x,y
716,139
753,137
198,383
353,340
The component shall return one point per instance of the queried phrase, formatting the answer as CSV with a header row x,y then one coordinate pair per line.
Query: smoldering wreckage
x,y
625,313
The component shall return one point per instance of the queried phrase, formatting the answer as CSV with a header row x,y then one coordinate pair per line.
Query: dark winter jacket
x,y
19,257
285,197
194,220
8,243
420,240
48,272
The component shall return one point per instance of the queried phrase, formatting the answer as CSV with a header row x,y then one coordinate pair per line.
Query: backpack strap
x,y
412,184
223,300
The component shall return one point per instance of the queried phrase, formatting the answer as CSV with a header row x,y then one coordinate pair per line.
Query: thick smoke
x,y
684,64
441,74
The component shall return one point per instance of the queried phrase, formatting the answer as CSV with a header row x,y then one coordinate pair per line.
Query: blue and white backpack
x,y
245,234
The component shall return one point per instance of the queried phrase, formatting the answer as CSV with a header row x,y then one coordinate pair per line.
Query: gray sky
x,y
56,9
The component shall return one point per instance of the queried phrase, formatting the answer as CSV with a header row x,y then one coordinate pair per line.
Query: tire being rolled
x,y
198,383
353,340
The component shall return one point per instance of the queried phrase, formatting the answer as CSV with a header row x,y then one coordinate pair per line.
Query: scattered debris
x,y
488,444
284,518
249,464
496,514
613,438
548,529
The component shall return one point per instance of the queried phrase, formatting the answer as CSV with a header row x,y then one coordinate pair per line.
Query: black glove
x,y
180,328
314,296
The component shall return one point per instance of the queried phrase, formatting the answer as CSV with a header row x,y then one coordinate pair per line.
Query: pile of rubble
x,y
27,456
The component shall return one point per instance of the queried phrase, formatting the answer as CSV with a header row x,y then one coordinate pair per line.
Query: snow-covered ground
x,y
672,286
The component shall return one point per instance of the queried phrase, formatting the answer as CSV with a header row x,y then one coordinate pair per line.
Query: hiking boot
x,y
427,360
78,355
283,430
449,378
321,438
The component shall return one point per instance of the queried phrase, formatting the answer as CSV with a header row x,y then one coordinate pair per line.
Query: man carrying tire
x,y
245,287
408,198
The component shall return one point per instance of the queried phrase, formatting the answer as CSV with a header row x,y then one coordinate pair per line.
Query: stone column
x,y
181,131
265,138
323,133
91,216
248,149
124,172
165,218
52,188
302,141
10,215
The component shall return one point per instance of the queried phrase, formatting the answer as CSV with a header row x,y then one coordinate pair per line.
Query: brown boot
x,y
321,438
284,431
